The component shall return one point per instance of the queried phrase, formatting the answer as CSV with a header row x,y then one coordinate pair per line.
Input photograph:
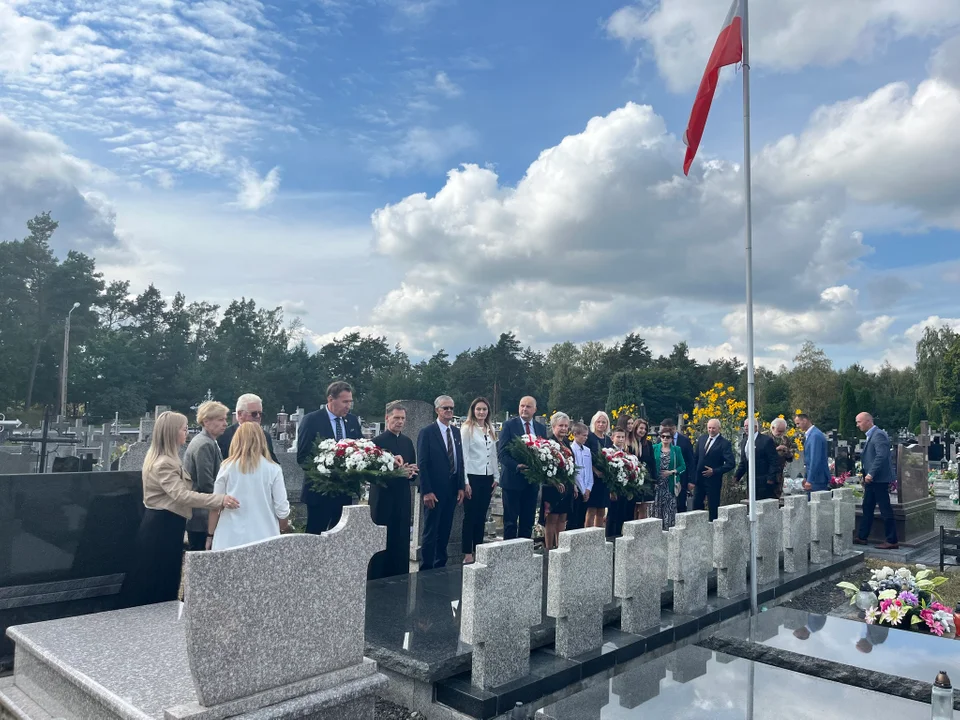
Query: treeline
x,y
130,352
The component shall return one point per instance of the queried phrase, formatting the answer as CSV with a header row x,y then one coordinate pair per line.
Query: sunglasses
x,y
256,413
448,408
667,435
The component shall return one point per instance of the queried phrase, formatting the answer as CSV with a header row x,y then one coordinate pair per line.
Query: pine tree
x,y
848,412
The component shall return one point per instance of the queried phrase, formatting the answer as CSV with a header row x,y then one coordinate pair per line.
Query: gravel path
x,y
826,596
386,710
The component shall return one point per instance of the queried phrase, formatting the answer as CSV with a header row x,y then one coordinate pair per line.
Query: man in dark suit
x,y
686,449
519,496
249,409
877,476
331,422
390,504
765,452
440,463
714,459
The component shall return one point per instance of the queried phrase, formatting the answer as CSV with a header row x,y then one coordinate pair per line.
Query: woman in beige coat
x,y
154,574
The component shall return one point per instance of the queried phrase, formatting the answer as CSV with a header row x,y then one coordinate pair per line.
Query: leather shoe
x,y
888,546
858,541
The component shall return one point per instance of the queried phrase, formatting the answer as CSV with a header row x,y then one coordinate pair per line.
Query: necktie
x,y
529,432
707,448
450,457
339,430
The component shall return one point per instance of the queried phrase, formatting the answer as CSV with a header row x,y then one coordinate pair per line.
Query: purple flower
x,y
909,598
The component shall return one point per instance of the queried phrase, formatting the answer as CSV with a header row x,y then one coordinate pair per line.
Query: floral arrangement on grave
x,y
624,474
547,461
903,600
839,481
348,467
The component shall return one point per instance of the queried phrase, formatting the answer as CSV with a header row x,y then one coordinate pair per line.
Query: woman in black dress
x,y
600,496
556,501
639,444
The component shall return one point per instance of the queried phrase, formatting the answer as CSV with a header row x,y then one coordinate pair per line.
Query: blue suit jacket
x,y
815,458
510,477
313,425
875,457
434,464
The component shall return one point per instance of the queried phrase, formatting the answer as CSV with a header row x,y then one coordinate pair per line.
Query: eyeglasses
x,y
447,408
255,413
667,435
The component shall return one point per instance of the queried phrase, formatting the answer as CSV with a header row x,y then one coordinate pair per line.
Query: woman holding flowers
x,y
556,499
638,443
669,464
600,495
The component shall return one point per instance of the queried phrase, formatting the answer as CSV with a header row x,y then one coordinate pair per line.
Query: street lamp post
x,y
63,364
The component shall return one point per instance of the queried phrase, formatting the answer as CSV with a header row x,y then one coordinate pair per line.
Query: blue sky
x,y
299,153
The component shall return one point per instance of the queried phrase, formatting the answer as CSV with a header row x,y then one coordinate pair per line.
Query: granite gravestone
x,y
419,415
640,573
579,584
769,539
285,613
912,473
731,549
133,458
502,596
689,561
821,527
796,534
844,520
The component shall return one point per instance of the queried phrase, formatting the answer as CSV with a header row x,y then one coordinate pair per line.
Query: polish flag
x,y
727,51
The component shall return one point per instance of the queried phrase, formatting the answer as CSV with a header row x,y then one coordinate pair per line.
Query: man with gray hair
x,y
785,449
249,409
442,476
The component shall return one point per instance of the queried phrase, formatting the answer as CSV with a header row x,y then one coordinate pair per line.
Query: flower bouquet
x,y
906,601
347,467
839,481
547,460
624,474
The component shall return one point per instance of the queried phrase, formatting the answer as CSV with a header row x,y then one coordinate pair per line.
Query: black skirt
x,y
600,495
560,503
154,574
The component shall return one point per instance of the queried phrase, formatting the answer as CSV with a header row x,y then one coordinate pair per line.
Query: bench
x,y
949,546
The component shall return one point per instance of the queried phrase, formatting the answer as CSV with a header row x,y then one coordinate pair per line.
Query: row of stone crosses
x,y
502,591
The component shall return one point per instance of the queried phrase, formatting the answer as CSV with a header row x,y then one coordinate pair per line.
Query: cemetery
x,y
291,628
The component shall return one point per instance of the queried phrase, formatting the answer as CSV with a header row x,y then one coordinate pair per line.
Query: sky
x,y
441,171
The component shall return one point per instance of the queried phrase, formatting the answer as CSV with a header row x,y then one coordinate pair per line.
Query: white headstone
x,y
689,561
844,520
769,541
640,573
731,549
796,534
821,527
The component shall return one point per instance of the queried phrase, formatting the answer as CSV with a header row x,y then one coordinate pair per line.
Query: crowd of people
x,y
228,489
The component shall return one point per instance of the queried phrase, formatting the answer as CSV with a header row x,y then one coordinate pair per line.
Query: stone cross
x,y
579,584
281,612
502,596
821,527
844,520
640,573
731,549
796,533
769,541
689,561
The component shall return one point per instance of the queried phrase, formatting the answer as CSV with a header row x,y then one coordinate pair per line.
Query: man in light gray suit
x,y
202,460
877,476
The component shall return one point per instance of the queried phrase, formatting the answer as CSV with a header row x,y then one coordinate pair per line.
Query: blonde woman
x,y
483,473
202,460
250,474
155,574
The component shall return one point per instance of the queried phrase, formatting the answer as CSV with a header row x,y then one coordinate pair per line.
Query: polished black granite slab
x,y
898,662
696,684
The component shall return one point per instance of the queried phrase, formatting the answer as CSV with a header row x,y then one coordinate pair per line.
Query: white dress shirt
x,y
333,424
263,500
443,434
479,452
582,457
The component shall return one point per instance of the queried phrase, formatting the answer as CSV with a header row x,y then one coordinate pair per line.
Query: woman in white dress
x,y
257,482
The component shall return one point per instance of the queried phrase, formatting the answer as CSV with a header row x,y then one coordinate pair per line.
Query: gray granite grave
x,y
133,458
796,534
689,561
640,573
844,520
821,526
731,549
502,600
769,541
419,415
268,630
579,584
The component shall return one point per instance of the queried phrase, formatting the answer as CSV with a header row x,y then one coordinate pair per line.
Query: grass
x,y
949,591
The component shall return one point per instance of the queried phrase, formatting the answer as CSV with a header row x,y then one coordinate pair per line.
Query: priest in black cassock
x,y
390,505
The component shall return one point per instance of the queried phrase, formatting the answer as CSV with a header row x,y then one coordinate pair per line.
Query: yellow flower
x,y
798,411
686,416
730,389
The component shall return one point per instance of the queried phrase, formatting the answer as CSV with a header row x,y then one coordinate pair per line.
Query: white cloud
x,y
874,332
446,86
785,35
256,192
915,331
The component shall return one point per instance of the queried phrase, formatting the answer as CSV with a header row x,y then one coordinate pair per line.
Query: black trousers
x,y
390,506
519,509
709,489
682,497
196,540
620,511
578,513
325,513
154,574
877,494
437,523
475,511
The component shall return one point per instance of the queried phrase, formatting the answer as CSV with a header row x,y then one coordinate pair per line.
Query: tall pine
x,y
848,412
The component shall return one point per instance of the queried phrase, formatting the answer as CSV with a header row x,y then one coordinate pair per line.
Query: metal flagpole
x,y
752,467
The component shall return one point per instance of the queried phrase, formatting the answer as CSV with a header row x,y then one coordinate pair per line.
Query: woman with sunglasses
x,y
668,461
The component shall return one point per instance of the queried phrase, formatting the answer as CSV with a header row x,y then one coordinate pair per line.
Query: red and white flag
x,y
728,50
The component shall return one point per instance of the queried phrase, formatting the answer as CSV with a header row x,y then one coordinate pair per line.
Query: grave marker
x,y
821,526
731,549
769,540
689,561
796,534
844,520
640,573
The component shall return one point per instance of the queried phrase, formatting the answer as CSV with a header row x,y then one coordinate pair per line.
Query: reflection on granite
x,y
695,684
